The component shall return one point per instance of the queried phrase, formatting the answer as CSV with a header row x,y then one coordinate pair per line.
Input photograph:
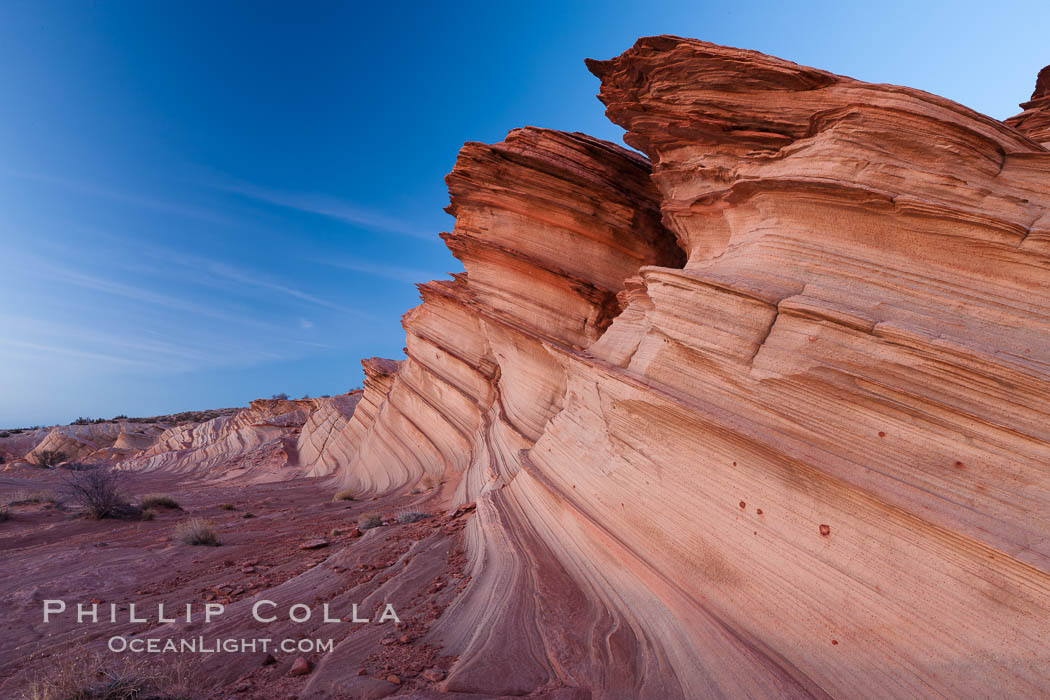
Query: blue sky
x,y
209,202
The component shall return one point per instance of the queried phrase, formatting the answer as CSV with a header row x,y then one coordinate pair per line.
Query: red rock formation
x,y
258,443
321,440
96,441
1034,121
765,418
16,445
807,457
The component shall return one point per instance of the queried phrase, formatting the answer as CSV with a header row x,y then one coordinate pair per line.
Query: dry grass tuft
x,y
158,500
30,497
344,495
197,531
409,516
369,520
127,677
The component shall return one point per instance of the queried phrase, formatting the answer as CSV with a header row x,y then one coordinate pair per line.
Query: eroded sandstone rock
x,y
800,457
760,415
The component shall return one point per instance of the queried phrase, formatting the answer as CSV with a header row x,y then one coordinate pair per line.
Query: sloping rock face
x,y
16,445
768,419
1034,121
258,443
96,441
322,438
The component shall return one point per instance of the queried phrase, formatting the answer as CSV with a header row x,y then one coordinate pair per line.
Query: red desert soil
x,y
49,553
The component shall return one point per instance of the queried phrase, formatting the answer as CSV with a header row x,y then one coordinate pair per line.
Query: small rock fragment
x,y
301,667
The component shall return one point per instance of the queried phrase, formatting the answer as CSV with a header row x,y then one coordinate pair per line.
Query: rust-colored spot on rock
x,y
834,641
759,511
882,434
959,465
825,530
743,505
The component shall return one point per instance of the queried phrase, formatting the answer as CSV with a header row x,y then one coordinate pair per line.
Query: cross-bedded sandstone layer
x,y
801,452
762,414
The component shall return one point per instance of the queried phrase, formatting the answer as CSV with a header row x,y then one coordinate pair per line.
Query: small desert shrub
x,y
336,533
4,433
158,500
50,458
344,495
148,514
5,514
248,515
369,520
197,531
89,421
30,497
99,492
127,677
77,467
228,506
281,397
410,516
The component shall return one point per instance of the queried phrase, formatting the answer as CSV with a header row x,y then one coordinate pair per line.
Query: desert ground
x,y
287,542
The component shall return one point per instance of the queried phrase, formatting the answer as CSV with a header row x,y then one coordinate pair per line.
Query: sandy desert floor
x,y
49,553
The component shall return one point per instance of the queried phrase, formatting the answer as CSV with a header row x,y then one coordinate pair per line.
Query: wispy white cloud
x,y
71,352
150,297
326,205
125,197
255,279
390,272
306,324
136,346
202,270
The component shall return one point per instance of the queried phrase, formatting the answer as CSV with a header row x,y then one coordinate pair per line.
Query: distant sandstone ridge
x,y
763,415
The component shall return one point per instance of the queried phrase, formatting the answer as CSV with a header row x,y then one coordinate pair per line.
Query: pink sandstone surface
x,y
762,413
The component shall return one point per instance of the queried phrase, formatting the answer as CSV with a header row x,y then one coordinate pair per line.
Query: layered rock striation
x,y
96,441
1034,121
762,413
766,418
258,443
